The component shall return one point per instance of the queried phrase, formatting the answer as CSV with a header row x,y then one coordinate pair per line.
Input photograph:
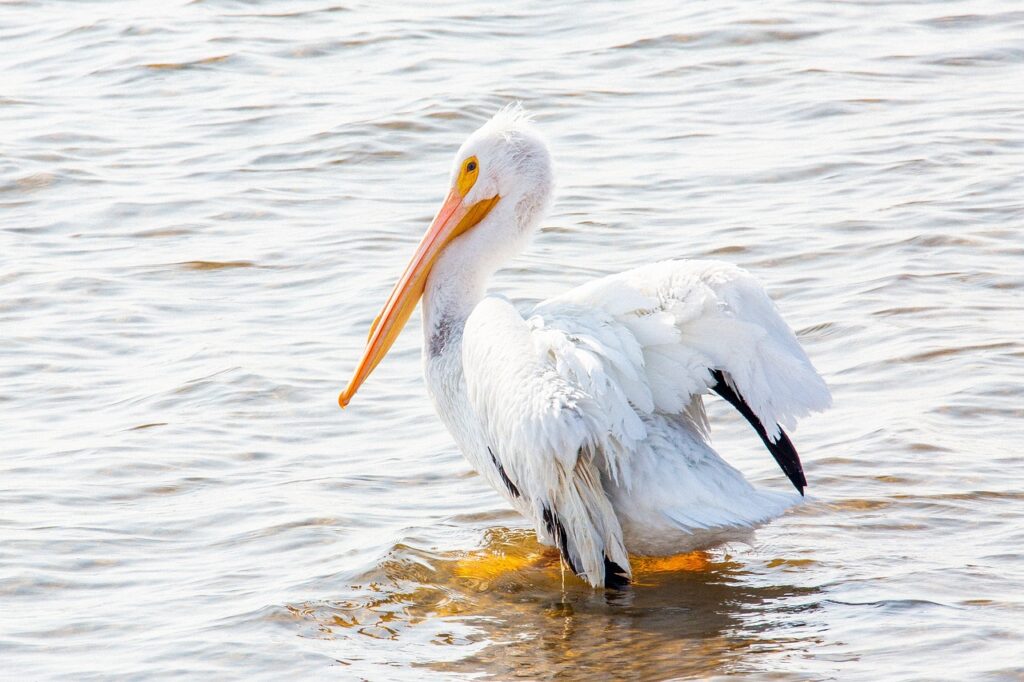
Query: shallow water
x,y
203,204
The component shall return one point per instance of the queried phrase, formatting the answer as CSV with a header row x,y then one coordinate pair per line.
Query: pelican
x,y
587,415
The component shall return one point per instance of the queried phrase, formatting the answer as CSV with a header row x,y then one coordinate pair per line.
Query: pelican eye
x,y
468,175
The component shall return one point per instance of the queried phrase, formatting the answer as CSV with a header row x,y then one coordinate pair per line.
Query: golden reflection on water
x,y
534,621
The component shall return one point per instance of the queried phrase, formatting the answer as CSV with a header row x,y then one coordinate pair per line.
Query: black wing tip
x,y
557,531
786,455
512,489
615,577
782,448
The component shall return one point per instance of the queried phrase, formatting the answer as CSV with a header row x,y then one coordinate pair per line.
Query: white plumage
x,y
588,414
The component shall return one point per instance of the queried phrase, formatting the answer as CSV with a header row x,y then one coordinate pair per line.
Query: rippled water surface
x,y
203,205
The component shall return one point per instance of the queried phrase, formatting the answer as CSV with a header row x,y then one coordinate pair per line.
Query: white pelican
x,y
588,414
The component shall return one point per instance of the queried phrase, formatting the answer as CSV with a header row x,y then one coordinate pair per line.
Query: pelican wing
x,y
706,325
705,315
563,395
548,432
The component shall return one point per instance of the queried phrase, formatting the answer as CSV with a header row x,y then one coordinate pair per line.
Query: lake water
x,y
203,205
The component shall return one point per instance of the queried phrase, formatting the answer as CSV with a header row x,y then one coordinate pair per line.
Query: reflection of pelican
x,y
588,415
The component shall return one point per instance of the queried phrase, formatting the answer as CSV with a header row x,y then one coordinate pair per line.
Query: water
x,y
203,205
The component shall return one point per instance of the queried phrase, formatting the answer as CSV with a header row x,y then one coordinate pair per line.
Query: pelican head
x,y
500,187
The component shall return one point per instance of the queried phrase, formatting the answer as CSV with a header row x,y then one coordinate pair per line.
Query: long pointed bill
x,y
452,220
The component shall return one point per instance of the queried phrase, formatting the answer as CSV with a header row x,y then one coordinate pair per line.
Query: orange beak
x,y
452,220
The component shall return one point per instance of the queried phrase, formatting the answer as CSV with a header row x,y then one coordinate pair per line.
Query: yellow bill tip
x,y
343,399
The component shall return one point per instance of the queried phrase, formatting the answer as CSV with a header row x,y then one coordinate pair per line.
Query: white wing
x,y
695,316
564,397
548,432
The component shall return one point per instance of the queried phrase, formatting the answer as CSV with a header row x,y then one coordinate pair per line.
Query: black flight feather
x,y
782,449
557,531
614,575
504,477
